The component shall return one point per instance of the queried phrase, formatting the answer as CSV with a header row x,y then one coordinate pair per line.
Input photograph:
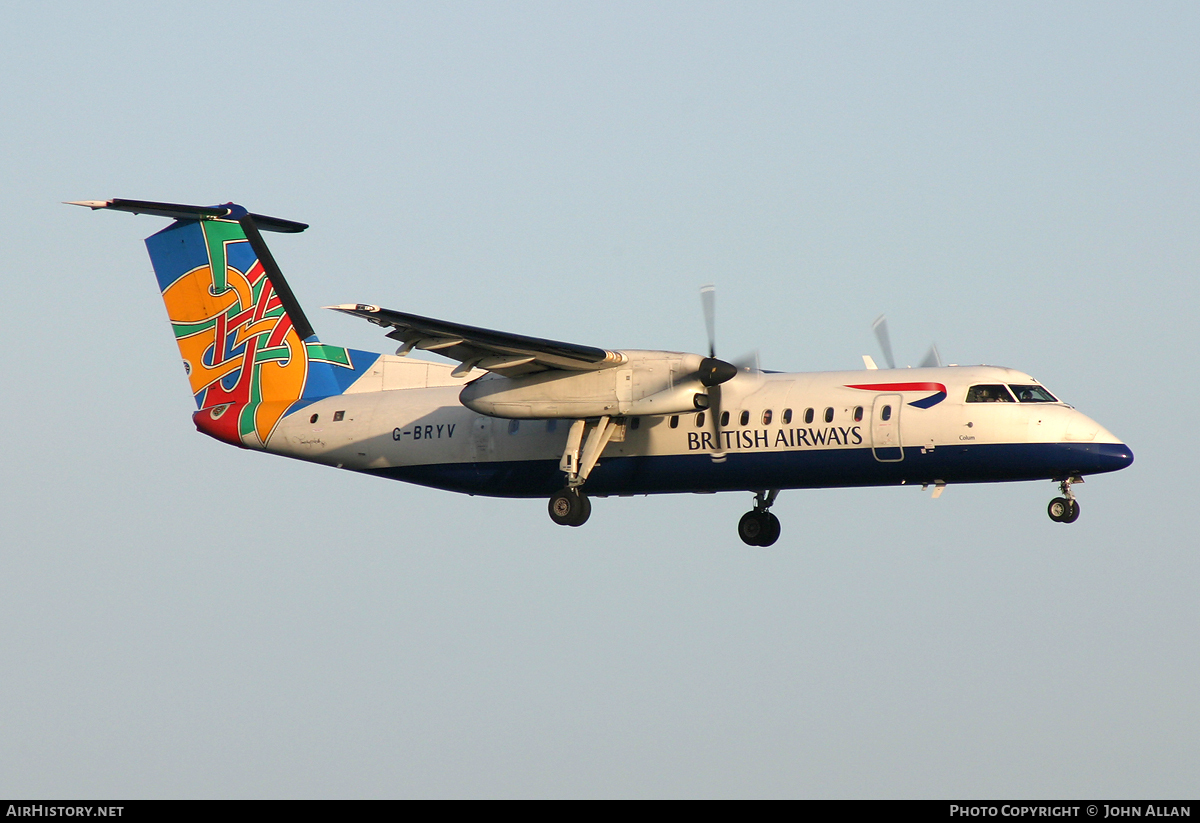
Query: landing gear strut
x,y
570,507
1065,509
759,527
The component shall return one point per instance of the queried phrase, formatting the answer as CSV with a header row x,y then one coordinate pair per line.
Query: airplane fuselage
x,y
784,431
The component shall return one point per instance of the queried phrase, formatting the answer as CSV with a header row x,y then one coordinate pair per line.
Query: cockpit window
x,y
989,394
1033,394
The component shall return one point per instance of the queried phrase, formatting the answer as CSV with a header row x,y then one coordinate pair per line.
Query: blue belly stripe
x,y
808,469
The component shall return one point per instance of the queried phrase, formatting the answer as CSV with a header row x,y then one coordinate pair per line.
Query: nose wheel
x,y
759,527
1065,509
570,507
1062,510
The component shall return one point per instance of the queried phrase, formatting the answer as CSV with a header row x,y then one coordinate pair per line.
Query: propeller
x,y
708,299
748,362
714,372
932,358
885,342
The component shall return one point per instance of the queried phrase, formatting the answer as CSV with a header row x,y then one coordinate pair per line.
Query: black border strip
x,y
282,289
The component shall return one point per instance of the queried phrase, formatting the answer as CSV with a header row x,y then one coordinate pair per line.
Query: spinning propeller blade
x,y
714,372
885,342
708,299
748,362
932,358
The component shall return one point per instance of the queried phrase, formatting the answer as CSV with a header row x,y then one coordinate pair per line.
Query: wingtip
x,y
91,204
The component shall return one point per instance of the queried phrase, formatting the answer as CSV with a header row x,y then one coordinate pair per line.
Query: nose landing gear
x,y
1065,509
759,527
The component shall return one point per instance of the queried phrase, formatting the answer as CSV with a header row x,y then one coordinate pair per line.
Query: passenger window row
x,y
768,416
743,418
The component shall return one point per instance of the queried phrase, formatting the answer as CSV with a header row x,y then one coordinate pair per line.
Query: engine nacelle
x,y
647,383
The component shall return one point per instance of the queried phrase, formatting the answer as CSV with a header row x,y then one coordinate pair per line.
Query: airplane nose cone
x,y
1113,457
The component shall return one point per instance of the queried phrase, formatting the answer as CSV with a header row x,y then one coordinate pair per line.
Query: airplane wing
x,y
474,348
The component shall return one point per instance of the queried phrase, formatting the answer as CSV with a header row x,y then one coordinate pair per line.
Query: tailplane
x,y
249,351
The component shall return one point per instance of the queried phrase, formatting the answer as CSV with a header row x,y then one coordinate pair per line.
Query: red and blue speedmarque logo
x,y
924,403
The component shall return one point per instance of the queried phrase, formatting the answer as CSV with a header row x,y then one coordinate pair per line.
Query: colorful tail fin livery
x,y
249,351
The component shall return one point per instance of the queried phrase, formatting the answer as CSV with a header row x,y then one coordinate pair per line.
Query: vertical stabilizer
x,y
249,351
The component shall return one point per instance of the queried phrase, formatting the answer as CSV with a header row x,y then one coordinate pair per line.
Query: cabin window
x,y
808,415
885,413
829,415
767,417
1033,394
551,425
724,418
858,414
313,419
787,416
513,426
674,422
745,418
635,423
339,416
699,420
991,393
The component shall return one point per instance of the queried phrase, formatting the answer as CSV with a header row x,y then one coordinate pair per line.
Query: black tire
x,y
585,510
1058,509
569,508
1073,514
770,531
751,528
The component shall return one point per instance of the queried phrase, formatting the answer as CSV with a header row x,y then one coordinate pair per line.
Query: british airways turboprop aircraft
x,y
525,417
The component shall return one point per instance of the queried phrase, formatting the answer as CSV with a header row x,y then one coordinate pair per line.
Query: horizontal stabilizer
x,y
178,211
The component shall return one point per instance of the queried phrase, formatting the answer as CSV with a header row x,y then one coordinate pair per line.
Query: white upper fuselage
x,y
405,420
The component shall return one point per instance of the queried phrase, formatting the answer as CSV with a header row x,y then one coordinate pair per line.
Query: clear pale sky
x,y
1017,182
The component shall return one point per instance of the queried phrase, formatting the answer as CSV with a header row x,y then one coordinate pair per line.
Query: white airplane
x,y
525,417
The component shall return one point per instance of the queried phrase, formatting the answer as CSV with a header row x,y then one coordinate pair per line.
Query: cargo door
x,y
482,442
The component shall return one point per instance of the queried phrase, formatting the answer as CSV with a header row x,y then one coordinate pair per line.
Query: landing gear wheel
x,y
758,528
1073,513
1059,508
750,528
771,532
570,508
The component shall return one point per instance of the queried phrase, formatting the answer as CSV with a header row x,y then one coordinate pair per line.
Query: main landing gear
x,y
1065,509
570,506
759,527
